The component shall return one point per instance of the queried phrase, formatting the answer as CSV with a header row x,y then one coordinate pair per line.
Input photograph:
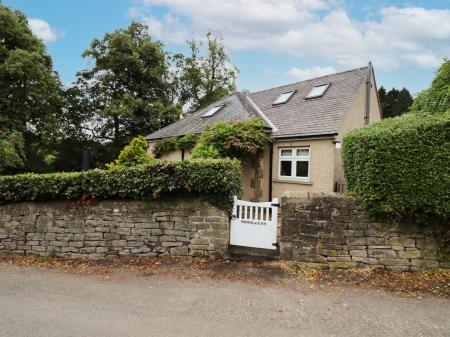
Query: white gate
x,y
254,224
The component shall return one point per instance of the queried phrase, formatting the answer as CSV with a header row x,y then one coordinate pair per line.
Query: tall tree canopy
x,y
30,95
395,102
203,79
128,88
132,87
435,99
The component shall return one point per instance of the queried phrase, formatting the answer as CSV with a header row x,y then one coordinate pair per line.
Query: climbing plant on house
x,y
170,144
242,140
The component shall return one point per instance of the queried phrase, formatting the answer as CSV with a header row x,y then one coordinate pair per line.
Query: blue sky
x,y
272,42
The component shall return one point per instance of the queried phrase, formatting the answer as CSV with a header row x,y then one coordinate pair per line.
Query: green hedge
x,y
213,180
401,166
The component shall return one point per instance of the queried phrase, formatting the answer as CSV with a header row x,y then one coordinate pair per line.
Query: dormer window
x,y
318,90
213,110
284,97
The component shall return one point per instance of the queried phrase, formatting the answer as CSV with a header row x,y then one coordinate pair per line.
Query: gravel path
x,y
38,302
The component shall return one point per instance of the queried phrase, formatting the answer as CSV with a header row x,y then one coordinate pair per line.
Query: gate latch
x,y
276,244
276,205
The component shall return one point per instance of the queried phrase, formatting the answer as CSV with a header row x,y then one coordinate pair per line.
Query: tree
x,y
127,91
384,103
435,99
11,151
203,80
30,94
395,102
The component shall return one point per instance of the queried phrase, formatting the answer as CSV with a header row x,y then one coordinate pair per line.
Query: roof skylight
x,y
213,110
318,90
284,97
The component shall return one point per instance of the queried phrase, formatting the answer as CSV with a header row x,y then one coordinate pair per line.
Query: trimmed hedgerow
x,y
401,166
213,180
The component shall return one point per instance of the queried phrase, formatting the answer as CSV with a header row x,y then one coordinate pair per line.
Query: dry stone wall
x,y
110,228
334,231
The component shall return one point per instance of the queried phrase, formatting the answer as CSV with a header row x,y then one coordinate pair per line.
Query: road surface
x,y
38,302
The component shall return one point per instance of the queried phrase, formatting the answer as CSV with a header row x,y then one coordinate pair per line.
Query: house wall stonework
x,y
114,228
354,119
173,155
321,168
332,231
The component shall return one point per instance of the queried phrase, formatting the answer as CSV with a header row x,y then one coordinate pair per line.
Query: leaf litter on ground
x,y
406,283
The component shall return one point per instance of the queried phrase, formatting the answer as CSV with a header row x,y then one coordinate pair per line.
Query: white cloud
x,y
43,30
318,29
133,12
307,73
168,29
271,71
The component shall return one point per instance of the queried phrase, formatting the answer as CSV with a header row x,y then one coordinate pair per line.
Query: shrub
x,y
133,154
240,140
213,180
435,99
401,166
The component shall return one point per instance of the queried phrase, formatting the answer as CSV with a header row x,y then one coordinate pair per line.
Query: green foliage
x,y
128,90
240,140
133,154
435,99
401,166
214,180
206,150
187,141
395,102
202,80
170,144
165,145
11,151
30,91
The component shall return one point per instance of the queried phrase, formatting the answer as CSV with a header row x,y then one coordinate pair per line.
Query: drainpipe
x,y
270,170
368,87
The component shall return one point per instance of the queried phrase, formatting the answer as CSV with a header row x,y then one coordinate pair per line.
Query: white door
x,y
254,224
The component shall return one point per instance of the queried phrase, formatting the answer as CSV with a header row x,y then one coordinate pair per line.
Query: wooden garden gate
x,y
254,224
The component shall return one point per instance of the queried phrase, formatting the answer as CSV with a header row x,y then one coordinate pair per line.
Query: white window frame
x,y
294,159
213,111
286,97
324,87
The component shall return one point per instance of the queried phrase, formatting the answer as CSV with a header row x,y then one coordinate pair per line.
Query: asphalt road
x,y
37,302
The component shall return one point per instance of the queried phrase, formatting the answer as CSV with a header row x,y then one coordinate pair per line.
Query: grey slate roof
x,y
297,117
235,109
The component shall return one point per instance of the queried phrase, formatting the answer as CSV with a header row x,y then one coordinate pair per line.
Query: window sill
x,y
292,181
